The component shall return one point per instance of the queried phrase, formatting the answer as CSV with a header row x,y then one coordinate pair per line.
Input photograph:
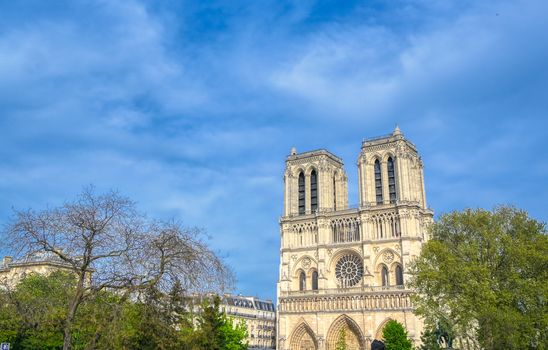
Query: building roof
x,y
318,152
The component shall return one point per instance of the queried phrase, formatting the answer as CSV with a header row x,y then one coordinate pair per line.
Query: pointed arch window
x,y
302,281
391,180
378,182
301,194
315,280
313,191
334,193
399,276
384,276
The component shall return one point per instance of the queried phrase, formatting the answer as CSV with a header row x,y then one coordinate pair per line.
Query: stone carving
x,y
306,262
388,257
330,251
376,249
294,257
320,339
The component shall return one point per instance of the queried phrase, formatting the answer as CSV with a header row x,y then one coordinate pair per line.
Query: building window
x,y
384,276
391,180
334,194
302,281
301,194
349,270
399,276
313,191
378,182
315,280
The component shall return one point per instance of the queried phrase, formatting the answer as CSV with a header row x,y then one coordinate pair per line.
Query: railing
x,y
354,290
376,138
351,208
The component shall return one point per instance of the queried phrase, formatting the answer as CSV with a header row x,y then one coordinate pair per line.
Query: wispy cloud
x,y
191,107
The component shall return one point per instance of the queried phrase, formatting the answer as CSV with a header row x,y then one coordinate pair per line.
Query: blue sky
x,y
190,107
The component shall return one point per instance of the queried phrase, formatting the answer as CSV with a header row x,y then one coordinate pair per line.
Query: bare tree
x,y
110,245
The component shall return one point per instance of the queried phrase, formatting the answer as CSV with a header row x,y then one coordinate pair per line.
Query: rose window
x,y
349,270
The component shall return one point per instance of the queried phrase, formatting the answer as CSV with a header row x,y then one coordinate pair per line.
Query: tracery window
x,y
315,280
399,276
301,194
378,182
384,276
302,281
349,270
313,191
391,180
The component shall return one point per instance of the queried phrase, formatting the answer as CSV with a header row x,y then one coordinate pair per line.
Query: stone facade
x,y
344,267
43,263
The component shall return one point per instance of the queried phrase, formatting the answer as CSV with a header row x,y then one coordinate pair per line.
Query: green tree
x,y
218,332
484,275
35,311
395,336
429,340
127,252
341,342
157,321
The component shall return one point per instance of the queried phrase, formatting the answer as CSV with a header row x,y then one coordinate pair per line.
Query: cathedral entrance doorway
x,y
344,329
303,338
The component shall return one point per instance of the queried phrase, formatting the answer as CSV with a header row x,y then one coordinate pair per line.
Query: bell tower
x,y
315,182
390,171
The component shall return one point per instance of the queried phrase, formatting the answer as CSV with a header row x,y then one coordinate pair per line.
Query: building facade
x,y
43,263
345,268
259,316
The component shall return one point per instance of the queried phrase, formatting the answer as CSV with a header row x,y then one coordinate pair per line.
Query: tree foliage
x,y
395,336
32,315
110,246
341,341
217,331
483,275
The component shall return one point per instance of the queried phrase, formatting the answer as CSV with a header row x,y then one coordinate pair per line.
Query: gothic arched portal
x,y
303,338
354,338
378,335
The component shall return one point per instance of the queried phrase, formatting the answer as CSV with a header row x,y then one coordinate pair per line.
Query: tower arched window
x,y
399,276
301,194
302,281
313,191
315,280
378,182
391,180
384,276
334,193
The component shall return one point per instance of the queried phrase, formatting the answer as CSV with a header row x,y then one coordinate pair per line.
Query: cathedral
x,y
343,269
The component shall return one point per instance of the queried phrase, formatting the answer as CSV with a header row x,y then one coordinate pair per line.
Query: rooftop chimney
x,y
6,261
